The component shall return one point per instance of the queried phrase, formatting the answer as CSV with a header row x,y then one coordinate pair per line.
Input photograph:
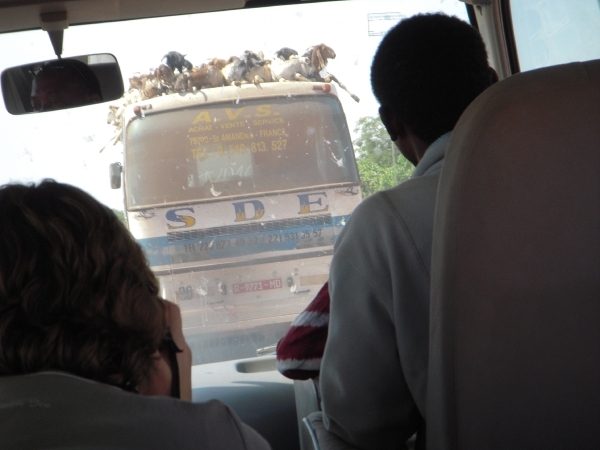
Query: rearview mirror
x,y
61,83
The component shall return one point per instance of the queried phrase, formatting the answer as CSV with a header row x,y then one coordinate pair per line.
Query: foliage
x,y
374,157
120,215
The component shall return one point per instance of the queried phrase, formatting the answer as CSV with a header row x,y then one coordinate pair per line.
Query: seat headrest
x,y
515,297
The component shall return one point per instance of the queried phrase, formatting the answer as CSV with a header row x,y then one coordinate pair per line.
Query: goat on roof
x,y
284,53
176,60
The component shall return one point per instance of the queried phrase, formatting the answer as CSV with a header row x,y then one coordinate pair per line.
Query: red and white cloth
x,y
300,351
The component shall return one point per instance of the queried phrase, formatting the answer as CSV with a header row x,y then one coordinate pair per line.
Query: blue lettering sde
x,y
306,201
187,221
240,210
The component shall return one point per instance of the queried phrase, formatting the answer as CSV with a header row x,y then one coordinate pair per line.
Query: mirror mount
x,y
115,170
55,24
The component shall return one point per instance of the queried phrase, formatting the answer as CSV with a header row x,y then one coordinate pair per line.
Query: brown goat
x,y
214,76
319,55
218,63
260,74
165,76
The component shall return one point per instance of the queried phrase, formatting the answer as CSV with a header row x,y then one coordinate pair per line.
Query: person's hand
x,y
184,358
161,378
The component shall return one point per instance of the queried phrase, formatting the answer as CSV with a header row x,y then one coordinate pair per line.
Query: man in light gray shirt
x,y
426,71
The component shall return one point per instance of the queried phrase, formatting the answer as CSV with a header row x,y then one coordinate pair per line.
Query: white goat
x,y
293,69
234,71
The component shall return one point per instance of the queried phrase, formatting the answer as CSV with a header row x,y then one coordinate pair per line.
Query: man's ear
x,y
392,122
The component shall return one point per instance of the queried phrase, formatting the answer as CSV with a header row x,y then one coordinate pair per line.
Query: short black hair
x,y
428,69
79,72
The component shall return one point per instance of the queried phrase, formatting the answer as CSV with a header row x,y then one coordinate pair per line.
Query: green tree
x,y
375,158
120,215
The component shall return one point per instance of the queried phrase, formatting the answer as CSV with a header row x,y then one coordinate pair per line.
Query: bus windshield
x,y
237,148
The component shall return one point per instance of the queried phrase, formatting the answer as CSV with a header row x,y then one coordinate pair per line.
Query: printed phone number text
x,y
254,240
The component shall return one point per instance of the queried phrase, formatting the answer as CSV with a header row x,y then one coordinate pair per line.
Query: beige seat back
x,y
318,438
515,309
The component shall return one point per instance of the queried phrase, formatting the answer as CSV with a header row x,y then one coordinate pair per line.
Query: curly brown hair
x,y
76,293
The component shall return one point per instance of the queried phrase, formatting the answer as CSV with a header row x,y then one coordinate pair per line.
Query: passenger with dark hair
x,y
64,83
373,377
89,354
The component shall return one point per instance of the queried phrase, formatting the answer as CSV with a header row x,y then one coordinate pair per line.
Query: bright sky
x,y
65,145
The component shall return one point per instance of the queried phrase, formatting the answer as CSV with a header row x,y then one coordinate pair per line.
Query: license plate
x,y
252,286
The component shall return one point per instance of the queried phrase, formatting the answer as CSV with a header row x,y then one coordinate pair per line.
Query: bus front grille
x,y
249,228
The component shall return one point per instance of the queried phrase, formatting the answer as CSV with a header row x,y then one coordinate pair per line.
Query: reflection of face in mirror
x,y
64,83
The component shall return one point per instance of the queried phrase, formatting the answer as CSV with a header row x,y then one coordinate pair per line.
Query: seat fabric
x,y
319,437
514,356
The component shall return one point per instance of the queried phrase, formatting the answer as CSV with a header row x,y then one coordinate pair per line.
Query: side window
x,y
550,32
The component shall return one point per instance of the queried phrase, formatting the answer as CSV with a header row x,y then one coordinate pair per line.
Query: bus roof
x,y
228,93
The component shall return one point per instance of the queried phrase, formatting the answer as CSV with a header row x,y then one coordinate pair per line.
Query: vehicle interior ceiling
x,y
20,15
262,398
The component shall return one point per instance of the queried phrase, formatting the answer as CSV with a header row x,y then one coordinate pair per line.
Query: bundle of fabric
x,y
300,351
